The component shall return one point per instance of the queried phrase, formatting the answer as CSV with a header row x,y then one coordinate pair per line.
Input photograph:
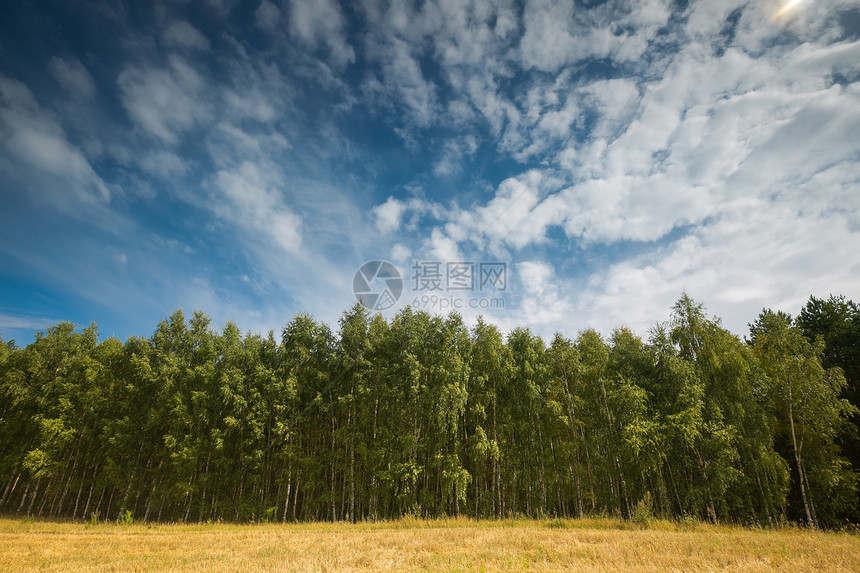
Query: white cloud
x,y
164,165
468,40
388,215
267,16
753,154
513,216
251,104
711,131
33,138
402,82
400,253
462,32
757,255
73,76
228,142
181,34
25,322
613,102
321,23
118,256
408,215
250,198
164,102
440,247
222,7
497,110
542,303
255,89
558,33
453,153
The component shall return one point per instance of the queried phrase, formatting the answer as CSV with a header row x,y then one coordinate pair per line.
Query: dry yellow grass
x,y
409,545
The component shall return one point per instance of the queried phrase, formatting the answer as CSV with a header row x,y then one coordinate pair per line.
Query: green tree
x,y
491,368
805,397
837,321
735,443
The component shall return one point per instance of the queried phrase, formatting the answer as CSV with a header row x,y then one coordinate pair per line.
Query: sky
x,y
556,165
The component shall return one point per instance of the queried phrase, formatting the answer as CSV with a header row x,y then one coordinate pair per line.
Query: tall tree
x,y
837,321
421,416
491,368
805,397
736,444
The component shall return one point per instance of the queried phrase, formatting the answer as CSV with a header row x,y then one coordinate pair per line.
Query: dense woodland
x,y
423,416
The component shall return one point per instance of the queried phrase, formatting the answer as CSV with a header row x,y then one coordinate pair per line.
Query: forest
x,y
423,416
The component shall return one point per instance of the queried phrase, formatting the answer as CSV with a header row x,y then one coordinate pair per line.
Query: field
x,y
412,545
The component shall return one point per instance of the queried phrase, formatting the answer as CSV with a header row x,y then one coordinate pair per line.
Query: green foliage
x,y
836,321
809,413
643,514
421,416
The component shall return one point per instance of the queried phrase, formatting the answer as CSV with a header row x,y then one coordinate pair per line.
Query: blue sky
x,y
246,158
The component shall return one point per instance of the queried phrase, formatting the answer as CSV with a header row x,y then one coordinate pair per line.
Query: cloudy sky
x,y
246,158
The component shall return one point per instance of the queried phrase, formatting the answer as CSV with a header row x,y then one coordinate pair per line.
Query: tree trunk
x,y
33,499
289,486
797,458
46,495
296,496
10,487
89,498
23,498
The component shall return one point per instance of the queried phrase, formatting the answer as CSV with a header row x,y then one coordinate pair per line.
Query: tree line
x,y
423,416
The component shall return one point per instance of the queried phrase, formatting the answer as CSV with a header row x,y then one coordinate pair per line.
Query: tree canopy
x,y
421,415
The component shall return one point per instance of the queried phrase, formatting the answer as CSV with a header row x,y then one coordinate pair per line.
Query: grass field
x,y
411,545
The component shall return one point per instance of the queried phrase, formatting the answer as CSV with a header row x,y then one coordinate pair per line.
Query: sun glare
x,y
786,8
